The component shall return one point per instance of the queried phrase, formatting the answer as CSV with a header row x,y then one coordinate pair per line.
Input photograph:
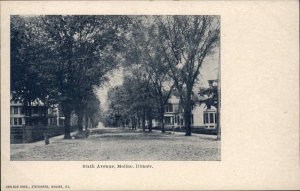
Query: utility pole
x,y
219,96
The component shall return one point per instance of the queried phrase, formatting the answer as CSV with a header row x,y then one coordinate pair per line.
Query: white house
x,y
35,114
201,116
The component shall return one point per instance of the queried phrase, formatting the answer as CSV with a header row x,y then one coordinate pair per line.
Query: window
x,y
61,121
21,110
211,118
169,108
175,107
15,110
192,119
205,118
11,110
20,121
15,121
168,121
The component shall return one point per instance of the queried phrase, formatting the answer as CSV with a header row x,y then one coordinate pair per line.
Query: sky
x,y
114,80
208,71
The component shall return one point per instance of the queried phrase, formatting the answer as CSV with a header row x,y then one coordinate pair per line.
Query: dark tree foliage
x,y
133,101
145,54
209,97
27,82
64,57
61,59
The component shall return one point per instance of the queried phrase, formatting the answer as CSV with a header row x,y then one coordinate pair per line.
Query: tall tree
x,y
186,41
75,53
144,54
117,105
157,68
26,82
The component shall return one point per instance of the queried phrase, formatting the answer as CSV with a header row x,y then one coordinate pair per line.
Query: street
x,y
112,144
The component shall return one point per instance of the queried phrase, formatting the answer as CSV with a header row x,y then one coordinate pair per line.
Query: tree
x,y
186,41
144,54
88,107
92,110
211,97
88,51
157,69
133,100
74,54
26,81
117,106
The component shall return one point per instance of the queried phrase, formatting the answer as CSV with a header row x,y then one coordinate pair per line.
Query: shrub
x,y
82,134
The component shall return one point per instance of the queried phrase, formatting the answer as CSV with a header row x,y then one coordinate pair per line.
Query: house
x,y
35,114
55,117
202,116
17,115
29,123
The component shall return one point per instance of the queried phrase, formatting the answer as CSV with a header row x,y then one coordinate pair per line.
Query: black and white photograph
x,y
149,95
115,88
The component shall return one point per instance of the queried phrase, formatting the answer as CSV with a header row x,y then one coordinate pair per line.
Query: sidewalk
x,y
202,136
21,147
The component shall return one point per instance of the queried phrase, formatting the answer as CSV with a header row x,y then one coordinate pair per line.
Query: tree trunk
x,y
218,125
66,109
86,122
67,125
139,123
92,123
143,120
219,99
187,118
133,122
162,123
188,110
80,121
149,113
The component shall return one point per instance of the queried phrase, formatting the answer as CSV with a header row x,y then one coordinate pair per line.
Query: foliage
x,y
150,68
27,82
186,41
61,59
209,97
66,57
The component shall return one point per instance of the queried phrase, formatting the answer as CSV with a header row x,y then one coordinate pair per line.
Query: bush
x,y
82,134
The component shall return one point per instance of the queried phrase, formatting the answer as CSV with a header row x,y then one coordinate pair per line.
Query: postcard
x,y
149,95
